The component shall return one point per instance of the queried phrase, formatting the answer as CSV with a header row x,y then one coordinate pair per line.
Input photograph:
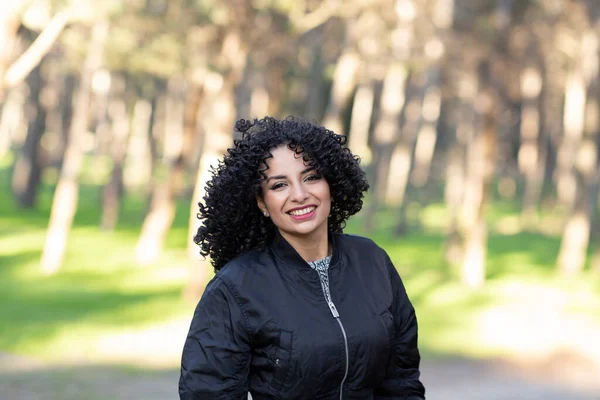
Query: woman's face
x,y
295,196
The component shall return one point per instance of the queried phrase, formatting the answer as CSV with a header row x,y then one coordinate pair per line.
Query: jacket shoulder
x,y
361,243
247,263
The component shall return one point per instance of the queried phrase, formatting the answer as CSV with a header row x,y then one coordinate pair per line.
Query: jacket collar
x,y
287,254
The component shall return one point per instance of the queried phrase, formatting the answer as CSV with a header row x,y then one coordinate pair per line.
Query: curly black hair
x,y
232,223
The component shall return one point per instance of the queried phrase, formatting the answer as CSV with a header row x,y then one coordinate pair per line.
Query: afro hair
x,y
232,223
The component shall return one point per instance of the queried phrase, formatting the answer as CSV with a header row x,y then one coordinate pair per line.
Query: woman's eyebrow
x,y
285,176
276,177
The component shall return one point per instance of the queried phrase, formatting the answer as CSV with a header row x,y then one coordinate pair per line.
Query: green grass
x,y
100,291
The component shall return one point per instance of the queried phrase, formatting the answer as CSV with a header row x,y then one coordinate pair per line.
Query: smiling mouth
x,y
302,211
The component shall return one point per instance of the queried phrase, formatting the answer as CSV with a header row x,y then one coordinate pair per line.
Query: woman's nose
x,y
299,193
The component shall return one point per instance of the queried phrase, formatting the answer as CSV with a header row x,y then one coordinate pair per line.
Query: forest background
x,y
478,123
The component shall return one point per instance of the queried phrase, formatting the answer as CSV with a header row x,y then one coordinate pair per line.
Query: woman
x,y
296,310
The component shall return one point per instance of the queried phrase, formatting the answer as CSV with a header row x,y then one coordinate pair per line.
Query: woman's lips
x,y
305,216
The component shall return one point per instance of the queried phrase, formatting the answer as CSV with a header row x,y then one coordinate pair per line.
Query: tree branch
x,y
10,8
327,10
38,49
324,12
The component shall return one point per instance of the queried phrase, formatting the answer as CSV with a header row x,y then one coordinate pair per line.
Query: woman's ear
x,y
261,204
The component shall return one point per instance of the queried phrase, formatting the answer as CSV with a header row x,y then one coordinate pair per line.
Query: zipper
x,y
336,315
347,355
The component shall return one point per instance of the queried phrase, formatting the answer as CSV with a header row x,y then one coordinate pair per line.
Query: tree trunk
x,y
9,24
427,136
274,81
64,203
27,169
259,99
11,109
385,135
38,49
442,17
100,103
413,155
344,82
54,95
162,207
360,123
252,97
12,118
393,97
138,166
315,100
387,129
66,119
415,159
402,156
219,123
552,99
479,173
156,224
574,110
243,93
192,138
456,170
532,152
575,240
480,153
118,113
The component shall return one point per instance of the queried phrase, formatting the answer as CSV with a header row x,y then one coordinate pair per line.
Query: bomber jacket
x,y
263,326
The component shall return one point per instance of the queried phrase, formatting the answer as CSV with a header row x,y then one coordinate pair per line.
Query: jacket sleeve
x,y
216,355
402,376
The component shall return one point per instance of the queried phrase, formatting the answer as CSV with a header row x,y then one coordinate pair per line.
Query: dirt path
x,y
453,379
460,379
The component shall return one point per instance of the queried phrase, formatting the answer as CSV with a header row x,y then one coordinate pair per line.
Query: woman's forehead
x,y
285,159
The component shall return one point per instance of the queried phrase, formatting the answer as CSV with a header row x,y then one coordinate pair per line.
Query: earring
x,y
266,214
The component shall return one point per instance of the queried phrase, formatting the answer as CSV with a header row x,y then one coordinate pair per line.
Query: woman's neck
x,y
311,248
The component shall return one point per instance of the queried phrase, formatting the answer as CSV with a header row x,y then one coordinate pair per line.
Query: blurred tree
x,y
420,129
218,121
472,158
533,147
581,141
119,110
162,207
397,39
479,168
38,49
344,81
64,204
27,169
9,23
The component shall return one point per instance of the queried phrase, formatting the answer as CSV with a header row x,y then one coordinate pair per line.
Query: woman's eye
x,y
277,186
314,177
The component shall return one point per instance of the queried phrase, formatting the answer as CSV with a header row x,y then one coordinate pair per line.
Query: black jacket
x,y
263,326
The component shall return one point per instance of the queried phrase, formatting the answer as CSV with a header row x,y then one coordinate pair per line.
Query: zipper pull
x,y
333,310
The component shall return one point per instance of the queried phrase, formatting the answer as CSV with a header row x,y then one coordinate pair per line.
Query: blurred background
x,y
478,123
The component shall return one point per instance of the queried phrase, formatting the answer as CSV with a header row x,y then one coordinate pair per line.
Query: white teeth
x,y
302,211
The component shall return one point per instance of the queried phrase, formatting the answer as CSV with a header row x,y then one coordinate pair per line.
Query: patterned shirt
x,y
322,268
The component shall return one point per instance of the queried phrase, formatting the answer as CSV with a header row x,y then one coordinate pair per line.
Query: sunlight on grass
x,y
435,217
98,293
